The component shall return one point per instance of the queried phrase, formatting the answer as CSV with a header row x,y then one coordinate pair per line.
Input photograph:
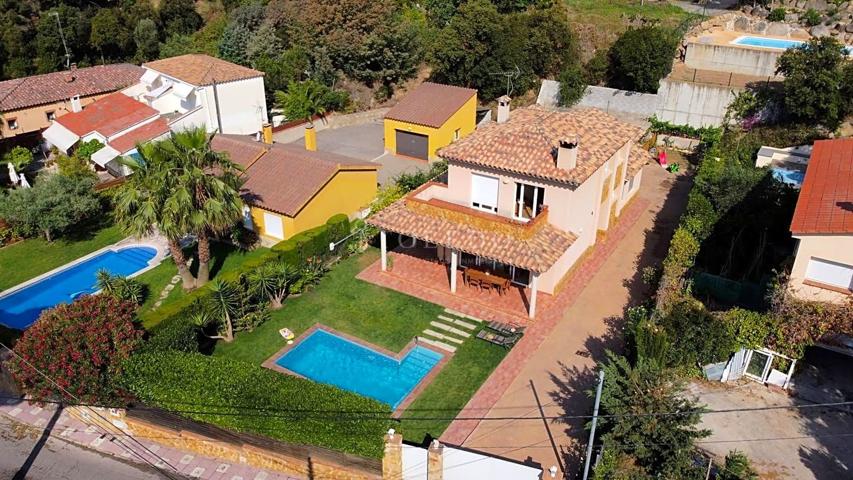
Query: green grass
x,y
30,258
224,259
383,317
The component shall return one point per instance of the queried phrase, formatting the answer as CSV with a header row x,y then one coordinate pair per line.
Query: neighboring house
x,y
28,105
117,121
525,197
823,225
195,89
430,117
288,189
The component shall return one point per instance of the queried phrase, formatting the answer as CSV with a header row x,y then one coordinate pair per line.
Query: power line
x,y
104,419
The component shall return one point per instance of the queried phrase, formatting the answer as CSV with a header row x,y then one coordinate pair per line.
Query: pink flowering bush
x,y
80,346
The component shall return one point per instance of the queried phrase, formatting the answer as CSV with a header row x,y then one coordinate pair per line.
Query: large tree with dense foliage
x,y
52,206
81,346
640,57
179,17
814,85
651,445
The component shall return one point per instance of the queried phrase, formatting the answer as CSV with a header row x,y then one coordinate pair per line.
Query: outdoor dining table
x,y
484,276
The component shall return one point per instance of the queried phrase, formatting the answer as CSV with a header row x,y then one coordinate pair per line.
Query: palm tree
x,y
272,281
139,204
303,100
206,193
224,304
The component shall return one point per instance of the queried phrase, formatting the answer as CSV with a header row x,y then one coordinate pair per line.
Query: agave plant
x,y
272,281
224,306
119,287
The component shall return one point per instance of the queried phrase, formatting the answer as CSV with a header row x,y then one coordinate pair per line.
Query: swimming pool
x,y
22,307
775,43
328,358
790,176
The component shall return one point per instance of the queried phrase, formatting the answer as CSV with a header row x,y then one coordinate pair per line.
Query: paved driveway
x,y
555,377
366,142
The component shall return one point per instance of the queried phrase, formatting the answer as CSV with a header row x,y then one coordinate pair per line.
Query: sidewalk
x,y
188,465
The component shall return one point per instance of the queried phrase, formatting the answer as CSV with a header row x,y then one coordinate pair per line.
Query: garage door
x,y
412,145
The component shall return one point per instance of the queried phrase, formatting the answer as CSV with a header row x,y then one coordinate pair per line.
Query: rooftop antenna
x,y
64,45
510,76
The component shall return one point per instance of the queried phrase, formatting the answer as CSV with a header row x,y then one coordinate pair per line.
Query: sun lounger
x,y
505,328
506,341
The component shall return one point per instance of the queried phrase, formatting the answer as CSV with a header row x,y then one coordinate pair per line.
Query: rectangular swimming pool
x,y
22,307
328,358
774,43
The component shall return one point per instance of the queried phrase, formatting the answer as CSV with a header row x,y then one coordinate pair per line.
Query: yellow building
x,y
428,118
288,189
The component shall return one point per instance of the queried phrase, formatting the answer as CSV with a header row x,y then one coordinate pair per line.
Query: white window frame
x,y
843,273
12,123
518,205
480,205
50,115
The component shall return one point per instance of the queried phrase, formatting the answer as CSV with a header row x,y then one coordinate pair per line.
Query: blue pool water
x,y
777,43
327,358
22,307
791,177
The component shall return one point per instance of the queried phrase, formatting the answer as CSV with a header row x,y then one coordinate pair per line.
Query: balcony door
x,y
484,193
528,201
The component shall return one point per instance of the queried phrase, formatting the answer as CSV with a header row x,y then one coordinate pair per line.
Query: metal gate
x,y
412,144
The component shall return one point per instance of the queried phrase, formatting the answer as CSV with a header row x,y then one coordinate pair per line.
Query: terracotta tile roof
x,y
527,143
430,104
638,158
825,204
145,133
54,87
107,115
199,69
535,246
284,177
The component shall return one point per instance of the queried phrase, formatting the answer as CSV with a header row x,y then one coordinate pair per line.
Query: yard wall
x,y
297,131
725,58
237,448
694,104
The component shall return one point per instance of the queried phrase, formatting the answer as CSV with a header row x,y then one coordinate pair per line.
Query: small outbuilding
x,y
430,117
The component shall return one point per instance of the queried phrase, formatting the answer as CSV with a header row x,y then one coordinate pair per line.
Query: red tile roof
x,y
430,104
526,144
107,116
145,133
284,177
199,69
825,205
54,87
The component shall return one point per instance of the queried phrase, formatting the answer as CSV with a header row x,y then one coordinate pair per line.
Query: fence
x,y
744,294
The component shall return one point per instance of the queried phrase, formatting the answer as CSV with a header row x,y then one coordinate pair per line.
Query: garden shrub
x,y
776,15
175,333
697,337
640,57
811,17
737,467
81,346
749,329
249,398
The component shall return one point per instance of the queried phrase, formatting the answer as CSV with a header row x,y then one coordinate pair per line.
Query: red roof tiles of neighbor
x,y
53,87
107,116
825,205
199,69
149,131
430,104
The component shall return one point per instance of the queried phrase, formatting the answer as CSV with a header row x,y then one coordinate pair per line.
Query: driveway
x,y
555,377
366,142
804,443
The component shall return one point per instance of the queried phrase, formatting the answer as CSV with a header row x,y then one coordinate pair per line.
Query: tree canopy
x,y
640,57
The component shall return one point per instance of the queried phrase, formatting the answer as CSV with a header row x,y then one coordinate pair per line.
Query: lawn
x,y
383,317
599,22
30,258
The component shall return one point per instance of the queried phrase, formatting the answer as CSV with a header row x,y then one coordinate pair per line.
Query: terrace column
x,y
534,285
454,260
383,246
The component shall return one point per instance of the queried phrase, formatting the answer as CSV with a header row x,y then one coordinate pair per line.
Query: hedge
x,y
249,398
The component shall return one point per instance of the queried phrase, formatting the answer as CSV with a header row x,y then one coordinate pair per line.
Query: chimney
x,y
435,461
392,460
567,154
503,109
71,75
76,106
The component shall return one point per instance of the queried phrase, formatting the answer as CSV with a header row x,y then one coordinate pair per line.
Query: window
x,y
528,201
484,193
830,273
12,123
50,115
456,134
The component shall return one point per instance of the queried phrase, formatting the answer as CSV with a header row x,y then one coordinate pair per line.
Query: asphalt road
x,y
25,455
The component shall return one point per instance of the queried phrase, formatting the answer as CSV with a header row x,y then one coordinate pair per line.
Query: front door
x,y
273,226
412,144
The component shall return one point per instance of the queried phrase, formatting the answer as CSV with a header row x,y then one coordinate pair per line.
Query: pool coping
x,y
128,242
271,364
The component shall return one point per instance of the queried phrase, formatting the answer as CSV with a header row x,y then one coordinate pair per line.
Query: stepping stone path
x,y
168,288
449,330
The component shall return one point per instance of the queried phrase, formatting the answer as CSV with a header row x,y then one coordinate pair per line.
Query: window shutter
x,y
830,273
484,192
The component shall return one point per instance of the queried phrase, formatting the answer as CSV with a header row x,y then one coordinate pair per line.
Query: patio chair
x,y
506,341
505,328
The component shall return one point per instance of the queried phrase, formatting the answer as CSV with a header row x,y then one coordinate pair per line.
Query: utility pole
x,y
594,423
64,45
